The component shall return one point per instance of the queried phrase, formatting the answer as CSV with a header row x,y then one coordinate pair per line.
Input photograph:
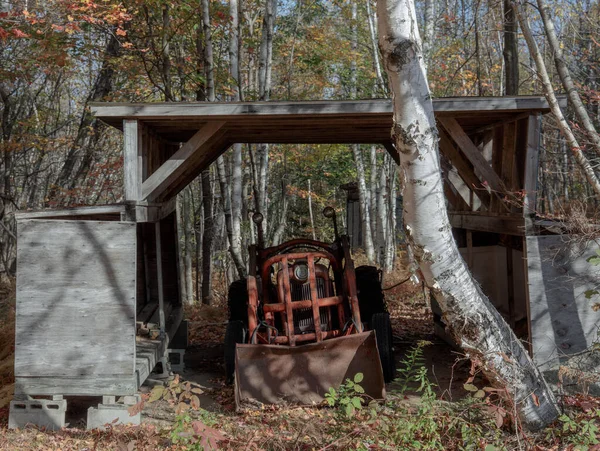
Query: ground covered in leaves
x,y
438,402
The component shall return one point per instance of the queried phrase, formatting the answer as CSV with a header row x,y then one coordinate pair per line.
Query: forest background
x,y
58,56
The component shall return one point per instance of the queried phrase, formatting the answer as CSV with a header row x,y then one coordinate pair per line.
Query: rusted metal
x,y
252,305
273,374
299,358
323,302
314,297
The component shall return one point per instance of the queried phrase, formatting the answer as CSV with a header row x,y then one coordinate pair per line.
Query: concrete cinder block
x,y
180,338
99,417
131,400
49,414
176,359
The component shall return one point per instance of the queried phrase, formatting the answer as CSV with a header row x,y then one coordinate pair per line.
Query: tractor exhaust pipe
x,y
329,212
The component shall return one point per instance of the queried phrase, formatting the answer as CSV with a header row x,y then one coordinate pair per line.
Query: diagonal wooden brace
x,y
470,150
180,162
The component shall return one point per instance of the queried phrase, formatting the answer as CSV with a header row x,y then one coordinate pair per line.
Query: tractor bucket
x,y
275,374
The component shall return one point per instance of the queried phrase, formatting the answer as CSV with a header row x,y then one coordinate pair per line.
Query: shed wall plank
x,y
562,319
76,285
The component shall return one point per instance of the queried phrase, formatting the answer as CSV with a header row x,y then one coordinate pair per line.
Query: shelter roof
x,y
325,121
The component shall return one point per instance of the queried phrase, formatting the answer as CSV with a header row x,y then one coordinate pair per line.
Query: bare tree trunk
x,y
429,20
208,64
511,50
264,91
84,144
236,254
373,205
580,158
565,77
363,192
390,254
474,322
187,219
382,214
278,235
207,192
235,237
363,202
310,212
381,87
208,237
166,58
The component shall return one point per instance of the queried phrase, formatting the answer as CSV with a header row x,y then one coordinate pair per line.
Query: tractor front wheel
x,y
235,333
237,301
382,325
370,294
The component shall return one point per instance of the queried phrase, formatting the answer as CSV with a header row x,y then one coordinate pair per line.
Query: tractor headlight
x,y
301,272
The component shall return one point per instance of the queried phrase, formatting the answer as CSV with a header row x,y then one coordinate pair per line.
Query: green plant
x,y
412,369
581,431
349,397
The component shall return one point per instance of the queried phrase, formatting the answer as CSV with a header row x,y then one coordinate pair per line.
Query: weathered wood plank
x,y
133,164
531,167
454,197
509,225
562,319
464,169
472,153
100,210
175,166
391,148
93,385
76,288
509,148
105,111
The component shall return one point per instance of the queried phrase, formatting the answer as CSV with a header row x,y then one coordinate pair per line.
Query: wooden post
x,y
159,279
531,171
470,249
510,284
132,159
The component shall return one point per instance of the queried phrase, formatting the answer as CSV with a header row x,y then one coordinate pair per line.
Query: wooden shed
x,y
87,276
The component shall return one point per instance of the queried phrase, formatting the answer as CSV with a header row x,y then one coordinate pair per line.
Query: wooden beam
x,y
159,281
180,162
172,110
531,167
133,165
509,225
464,169
67,213
454,197
391,148
472,153
509,149
497,142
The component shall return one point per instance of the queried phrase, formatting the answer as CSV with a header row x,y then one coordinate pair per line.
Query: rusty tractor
x,y
304,320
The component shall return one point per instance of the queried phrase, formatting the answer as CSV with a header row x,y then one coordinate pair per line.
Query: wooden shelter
x,y
87,276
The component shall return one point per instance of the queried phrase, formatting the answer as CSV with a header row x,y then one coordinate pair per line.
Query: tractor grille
x,y
303,319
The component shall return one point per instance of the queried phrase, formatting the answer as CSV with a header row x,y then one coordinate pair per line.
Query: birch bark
x,y
473,321
565,128
363,192
565,77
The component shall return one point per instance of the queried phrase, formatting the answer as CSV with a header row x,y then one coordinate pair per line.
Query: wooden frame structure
x,y
489,147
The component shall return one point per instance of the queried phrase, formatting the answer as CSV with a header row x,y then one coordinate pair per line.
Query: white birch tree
x,y
473,321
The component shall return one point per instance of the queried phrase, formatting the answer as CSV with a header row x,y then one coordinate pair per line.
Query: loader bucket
x,y
275,374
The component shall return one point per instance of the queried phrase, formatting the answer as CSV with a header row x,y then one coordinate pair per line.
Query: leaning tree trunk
x,y
565,77
563,125
474,322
